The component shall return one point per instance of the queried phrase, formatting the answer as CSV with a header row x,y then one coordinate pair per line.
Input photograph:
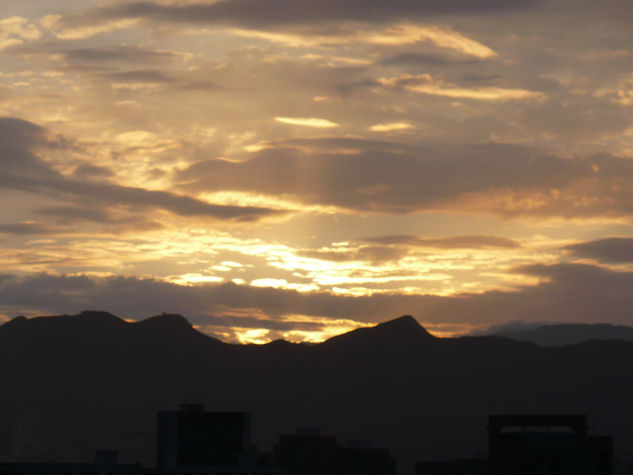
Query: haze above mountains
x,y
73,384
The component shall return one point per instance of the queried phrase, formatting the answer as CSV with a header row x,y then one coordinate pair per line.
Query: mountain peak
x,y
166,320
16,321
97,316
398,330
404,327
406,322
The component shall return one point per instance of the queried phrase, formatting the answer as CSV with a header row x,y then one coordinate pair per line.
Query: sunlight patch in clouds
x,y
134,138
14,30
396,35
390,127
307,122
284,284
425,84
481,94
194,278
242,198
404,34
287,39
329,327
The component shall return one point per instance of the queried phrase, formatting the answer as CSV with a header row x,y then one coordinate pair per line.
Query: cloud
x,y
75,213
307,122
88,171
349,87
154,77
380,176
119,54
566,293
392,248
139,76
390,127
425,84
453,242
395,35
68,220
269,13
372,254
480,94
613,249
443,37
508,327
425,59
71,220
77,30
22,170
197,86
15,30
25,229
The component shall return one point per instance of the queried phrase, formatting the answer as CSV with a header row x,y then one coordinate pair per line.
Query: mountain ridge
x,y
400,327
406,328
563,334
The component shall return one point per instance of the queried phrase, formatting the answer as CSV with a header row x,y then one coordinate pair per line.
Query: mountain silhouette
x,y
403,330
569,333
73,384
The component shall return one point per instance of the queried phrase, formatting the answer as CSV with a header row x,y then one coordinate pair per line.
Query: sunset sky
x,y
298,168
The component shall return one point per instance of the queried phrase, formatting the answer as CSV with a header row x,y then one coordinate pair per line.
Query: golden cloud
x,y
307,122
390,127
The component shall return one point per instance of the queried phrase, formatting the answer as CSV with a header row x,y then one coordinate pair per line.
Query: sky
x,y
300,168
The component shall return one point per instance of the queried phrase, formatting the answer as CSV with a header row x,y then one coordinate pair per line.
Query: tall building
x,y
192,437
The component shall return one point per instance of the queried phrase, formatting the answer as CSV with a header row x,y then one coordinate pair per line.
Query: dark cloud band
x,y
400,178
271,13
613,249
568,293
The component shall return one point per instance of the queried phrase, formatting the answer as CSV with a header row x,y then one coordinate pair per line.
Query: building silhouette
x,y
105,463
309,452
306,451
452,467
192,437
546,444
359,459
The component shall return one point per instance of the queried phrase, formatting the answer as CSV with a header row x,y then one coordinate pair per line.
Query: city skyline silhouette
x,y
421,397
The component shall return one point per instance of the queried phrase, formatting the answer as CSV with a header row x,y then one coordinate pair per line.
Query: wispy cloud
x,y
307,122
451,242
79,30
404,34
16,30
390,127
425,84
